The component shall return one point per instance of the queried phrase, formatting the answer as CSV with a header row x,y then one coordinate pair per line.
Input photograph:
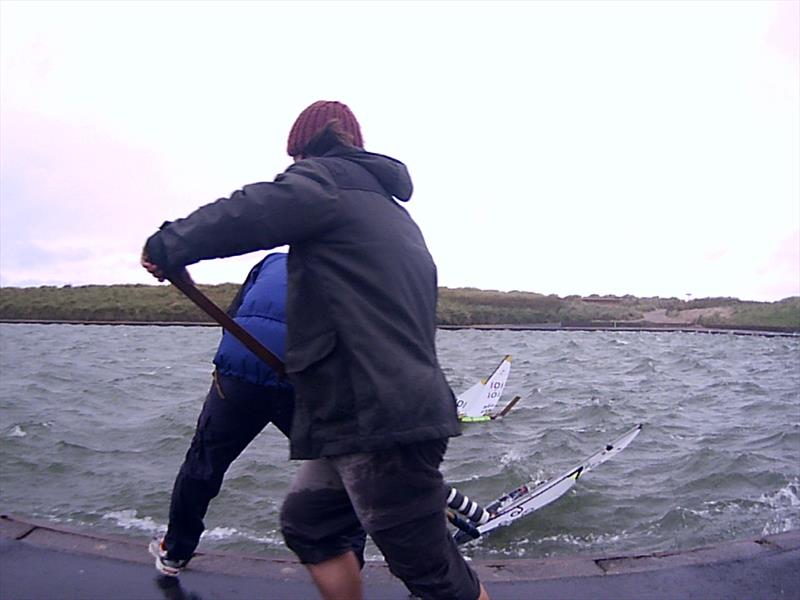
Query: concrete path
x,y
39,561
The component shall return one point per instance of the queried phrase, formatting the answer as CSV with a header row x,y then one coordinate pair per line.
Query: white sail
x,y
479,401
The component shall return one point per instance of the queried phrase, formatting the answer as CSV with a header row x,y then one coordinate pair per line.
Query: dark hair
x,y
330,136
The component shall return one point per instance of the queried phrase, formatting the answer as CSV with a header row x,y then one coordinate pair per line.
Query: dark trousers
x,y
234,413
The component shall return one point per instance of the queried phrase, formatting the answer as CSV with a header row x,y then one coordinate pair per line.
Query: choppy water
x,y
94,422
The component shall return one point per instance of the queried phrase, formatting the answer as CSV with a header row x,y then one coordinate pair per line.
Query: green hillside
x,y
457,307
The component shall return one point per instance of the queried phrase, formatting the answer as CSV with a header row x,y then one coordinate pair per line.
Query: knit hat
x,y
315,117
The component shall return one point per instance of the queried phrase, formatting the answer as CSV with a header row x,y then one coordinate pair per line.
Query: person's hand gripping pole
x,y
183,281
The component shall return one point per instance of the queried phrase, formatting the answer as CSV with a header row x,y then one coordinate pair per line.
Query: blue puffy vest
x,y
261,311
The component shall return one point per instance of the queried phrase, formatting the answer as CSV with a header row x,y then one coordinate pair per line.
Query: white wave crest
x,y
787,496
271,538
510,457
221,533
129,519
779,526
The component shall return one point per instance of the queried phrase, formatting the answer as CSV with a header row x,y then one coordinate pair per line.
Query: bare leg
x,y
338,578
484,595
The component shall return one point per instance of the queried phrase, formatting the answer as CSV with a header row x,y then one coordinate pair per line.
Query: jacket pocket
x,y
303,354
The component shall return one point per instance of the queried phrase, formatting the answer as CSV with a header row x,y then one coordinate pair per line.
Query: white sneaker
x,y
164,564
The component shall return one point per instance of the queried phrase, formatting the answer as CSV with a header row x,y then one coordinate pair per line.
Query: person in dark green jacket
x,y
373,410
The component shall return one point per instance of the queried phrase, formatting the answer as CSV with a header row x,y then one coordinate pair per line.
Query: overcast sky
x,y
646,148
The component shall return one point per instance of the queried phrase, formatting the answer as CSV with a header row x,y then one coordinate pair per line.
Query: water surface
x,y
95,420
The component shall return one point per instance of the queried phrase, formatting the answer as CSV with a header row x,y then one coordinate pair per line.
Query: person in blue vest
x,y
245,396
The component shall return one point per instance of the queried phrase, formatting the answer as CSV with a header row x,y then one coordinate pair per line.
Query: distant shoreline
x,y
606,326
458,308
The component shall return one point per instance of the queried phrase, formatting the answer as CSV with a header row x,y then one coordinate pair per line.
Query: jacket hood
x,y
390,172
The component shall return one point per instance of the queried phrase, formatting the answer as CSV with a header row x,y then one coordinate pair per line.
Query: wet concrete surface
x,y
40,561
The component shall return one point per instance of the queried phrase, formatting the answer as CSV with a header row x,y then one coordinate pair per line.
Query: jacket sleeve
x,y
300,204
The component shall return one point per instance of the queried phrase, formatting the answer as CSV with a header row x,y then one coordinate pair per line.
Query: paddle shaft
x,y
185,285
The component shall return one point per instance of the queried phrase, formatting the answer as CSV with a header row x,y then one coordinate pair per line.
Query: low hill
x,y
457,307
